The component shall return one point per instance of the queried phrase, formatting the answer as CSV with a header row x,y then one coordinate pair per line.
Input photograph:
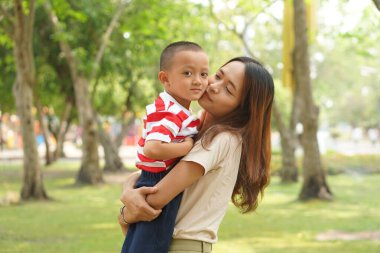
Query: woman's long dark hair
x,y
252,121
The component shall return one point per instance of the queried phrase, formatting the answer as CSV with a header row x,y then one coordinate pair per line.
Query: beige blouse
x,y
205,203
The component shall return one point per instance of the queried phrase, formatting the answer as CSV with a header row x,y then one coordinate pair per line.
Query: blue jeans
x,y
154,236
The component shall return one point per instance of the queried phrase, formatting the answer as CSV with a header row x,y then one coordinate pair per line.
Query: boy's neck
x,y
184,102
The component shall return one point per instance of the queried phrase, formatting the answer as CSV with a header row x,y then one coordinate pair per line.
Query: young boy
x,y
168,127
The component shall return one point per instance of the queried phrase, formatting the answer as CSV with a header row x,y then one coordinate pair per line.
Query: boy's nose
x,y
197,80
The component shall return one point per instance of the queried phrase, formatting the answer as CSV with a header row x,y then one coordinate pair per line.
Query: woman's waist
x,y
190,245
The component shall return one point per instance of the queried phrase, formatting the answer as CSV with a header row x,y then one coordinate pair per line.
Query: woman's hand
x,y
136,208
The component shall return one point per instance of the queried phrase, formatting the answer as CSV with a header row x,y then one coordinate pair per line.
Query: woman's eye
x,y
228,90
217,77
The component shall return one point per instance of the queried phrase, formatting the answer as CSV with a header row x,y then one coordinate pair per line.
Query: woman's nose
x,y
213,87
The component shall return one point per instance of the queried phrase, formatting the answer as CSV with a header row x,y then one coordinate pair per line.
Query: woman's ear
x,y
163,78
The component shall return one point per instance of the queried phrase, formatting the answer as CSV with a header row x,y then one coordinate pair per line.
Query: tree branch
x,y
65,48
30,18
233,30
19,18
377,4
241,35
107,36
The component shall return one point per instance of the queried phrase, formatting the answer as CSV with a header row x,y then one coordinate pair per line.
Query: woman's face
x,y
224,90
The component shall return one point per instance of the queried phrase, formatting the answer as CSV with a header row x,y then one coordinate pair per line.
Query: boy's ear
x,y
163,78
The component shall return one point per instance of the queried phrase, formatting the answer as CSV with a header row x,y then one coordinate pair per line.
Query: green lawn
x,y
83,219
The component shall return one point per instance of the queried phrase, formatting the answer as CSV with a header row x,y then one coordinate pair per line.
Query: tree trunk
x,y
63,127
32,187
377,4
314,184
289,170
112,159
89,172
45,131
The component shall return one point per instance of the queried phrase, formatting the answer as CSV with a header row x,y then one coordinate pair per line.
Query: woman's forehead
x,y
234,71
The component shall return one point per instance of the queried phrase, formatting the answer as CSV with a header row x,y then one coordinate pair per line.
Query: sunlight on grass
x,y
84,218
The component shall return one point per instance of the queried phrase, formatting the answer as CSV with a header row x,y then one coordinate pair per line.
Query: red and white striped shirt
x,y
168,121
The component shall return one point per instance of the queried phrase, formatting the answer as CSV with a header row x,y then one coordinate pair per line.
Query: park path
x,y
127,153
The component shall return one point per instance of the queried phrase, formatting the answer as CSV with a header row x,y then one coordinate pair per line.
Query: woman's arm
x,y
145,203
183,175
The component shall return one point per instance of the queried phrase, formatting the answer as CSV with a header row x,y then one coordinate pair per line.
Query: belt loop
x,y
203,247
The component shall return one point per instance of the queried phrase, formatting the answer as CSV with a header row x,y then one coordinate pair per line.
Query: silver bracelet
x,y
122,215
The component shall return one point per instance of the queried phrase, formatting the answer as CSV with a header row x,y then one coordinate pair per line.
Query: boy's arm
x,y
159,150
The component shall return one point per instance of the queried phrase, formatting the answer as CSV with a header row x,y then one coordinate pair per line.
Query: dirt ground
x,y
335,235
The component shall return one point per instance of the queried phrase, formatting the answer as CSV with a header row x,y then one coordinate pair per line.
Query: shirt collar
x,y
166,96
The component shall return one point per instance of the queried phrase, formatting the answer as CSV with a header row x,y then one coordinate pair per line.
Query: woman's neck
x,y
208,120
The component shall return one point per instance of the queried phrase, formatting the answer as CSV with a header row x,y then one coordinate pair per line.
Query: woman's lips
x,y
207,96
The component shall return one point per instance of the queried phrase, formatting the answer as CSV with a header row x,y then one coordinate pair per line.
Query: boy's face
x,y
186,78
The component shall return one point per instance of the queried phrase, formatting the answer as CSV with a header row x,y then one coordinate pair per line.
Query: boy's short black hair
x,y
169,51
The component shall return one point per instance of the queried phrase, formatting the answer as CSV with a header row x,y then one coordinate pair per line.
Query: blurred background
x,y
76,76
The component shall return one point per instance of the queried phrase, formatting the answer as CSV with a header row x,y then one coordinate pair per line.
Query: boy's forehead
x,y
188,56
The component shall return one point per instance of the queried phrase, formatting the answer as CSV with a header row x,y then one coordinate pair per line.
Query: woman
x,y
230,158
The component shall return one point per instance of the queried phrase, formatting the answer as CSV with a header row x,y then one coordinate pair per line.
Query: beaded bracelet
x,y
122,215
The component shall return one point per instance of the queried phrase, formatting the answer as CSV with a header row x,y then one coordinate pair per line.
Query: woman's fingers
x,y
138,208
147,190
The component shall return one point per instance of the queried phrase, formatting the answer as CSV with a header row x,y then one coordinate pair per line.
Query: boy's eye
x,y
187,73
204,75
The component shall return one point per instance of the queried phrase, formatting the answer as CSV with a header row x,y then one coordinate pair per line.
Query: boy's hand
x,y
189,142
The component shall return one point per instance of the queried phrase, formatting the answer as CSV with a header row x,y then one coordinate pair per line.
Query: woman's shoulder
x,y
228,137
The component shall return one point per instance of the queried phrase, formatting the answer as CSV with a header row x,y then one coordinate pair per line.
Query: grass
x,y
83,219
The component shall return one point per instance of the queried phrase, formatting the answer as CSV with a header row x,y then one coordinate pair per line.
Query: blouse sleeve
x,y
212,156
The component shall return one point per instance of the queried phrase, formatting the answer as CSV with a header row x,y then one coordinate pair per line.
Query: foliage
x,y
7,64
346,62
344,58
337,164
83,219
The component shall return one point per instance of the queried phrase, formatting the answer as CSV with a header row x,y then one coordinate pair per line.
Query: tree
x,y
248,14
22,35
345,65
55,90
314,179
89,171
128,74
377,4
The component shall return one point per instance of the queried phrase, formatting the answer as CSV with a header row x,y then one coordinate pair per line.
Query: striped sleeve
x,y
162,126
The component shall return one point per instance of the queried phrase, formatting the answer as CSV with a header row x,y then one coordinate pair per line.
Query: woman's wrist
x,y
122,220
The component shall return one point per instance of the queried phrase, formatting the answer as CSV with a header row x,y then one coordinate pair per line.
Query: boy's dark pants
x,y
154,236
